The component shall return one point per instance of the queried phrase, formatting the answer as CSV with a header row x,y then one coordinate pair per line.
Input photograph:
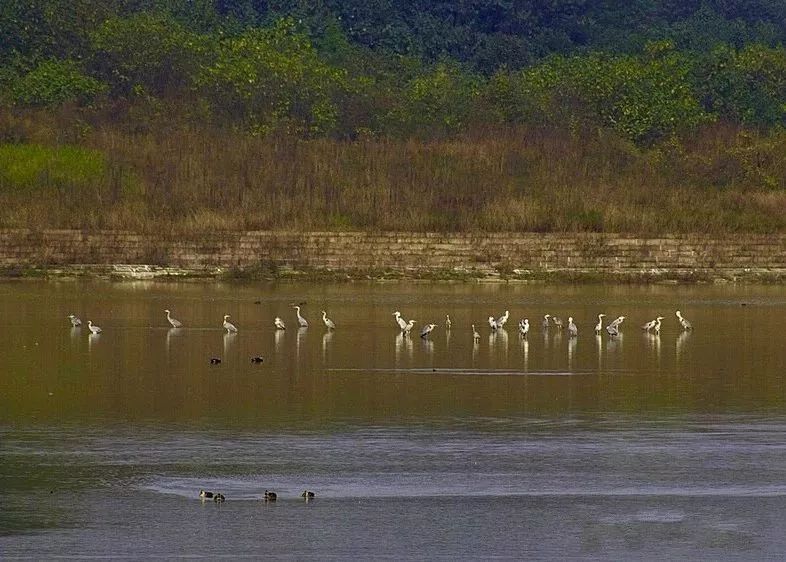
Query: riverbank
x,y
395,255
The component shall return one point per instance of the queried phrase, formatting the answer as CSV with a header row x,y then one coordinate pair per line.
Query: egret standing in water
x,y
448,323
175,323
492,323
573,331
300,320
408,327
524,327
279,324
95,330
475,334
656,328
228,326
557,321
546,321
328,322
400,321
613,328
685,324
427,330
599,325
75,322
502,320
649,325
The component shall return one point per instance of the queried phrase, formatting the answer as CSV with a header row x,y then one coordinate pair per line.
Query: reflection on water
x,y
326,338
681,340
525,352
629,451
229,338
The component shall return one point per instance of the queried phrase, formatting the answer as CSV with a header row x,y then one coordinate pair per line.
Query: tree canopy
x,y
644,68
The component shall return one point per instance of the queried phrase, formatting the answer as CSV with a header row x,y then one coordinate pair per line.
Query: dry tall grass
x,y
176,180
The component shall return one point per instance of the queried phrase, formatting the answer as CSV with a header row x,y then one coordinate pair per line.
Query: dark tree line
x,y
404,67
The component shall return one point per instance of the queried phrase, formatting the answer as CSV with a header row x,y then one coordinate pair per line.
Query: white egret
x,y
300,320
613,328
279,324
328,322
685,324
75,322
427,330
656,328
557,321
599,325
448,323
475,334
649,325
492,323
573,331
502,320
95,330
175,323
546,321
407,327
228,326
400,321
524,327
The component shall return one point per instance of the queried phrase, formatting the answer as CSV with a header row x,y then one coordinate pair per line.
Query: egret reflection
x,y
327,337
525,353
169,333
571,352
681,339
229,337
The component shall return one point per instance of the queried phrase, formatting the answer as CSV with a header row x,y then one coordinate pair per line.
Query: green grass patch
x,y
28,168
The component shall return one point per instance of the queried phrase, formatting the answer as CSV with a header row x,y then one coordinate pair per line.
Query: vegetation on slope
x,y
645,116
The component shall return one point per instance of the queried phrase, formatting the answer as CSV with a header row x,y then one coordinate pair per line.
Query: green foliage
x,y
355,68
30,167
54,82
748,86
148,52
642,98
273,78
437,102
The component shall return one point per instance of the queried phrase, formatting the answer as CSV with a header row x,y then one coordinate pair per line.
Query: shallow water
x,y
550,447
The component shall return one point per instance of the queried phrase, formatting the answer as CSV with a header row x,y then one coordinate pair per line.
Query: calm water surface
x,y
550,447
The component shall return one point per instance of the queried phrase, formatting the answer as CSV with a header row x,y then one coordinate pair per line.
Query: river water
x,y
634,447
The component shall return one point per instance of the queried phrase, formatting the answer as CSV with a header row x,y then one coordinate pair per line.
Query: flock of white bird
x,y
495,324
406,325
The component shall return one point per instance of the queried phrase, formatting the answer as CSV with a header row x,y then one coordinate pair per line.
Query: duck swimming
x,y
215,360
257,359
308,495
270,496
205,495
218,498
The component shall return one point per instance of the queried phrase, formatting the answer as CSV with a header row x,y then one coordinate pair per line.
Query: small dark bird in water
x,y
218,498
270,496
205,495
306,494
257,359
215,360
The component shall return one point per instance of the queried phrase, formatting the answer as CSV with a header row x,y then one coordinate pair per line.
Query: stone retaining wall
x,y
507,255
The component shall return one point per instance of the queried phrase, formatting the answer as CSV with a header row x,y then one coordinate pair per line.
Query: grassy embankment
x,y
60,172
